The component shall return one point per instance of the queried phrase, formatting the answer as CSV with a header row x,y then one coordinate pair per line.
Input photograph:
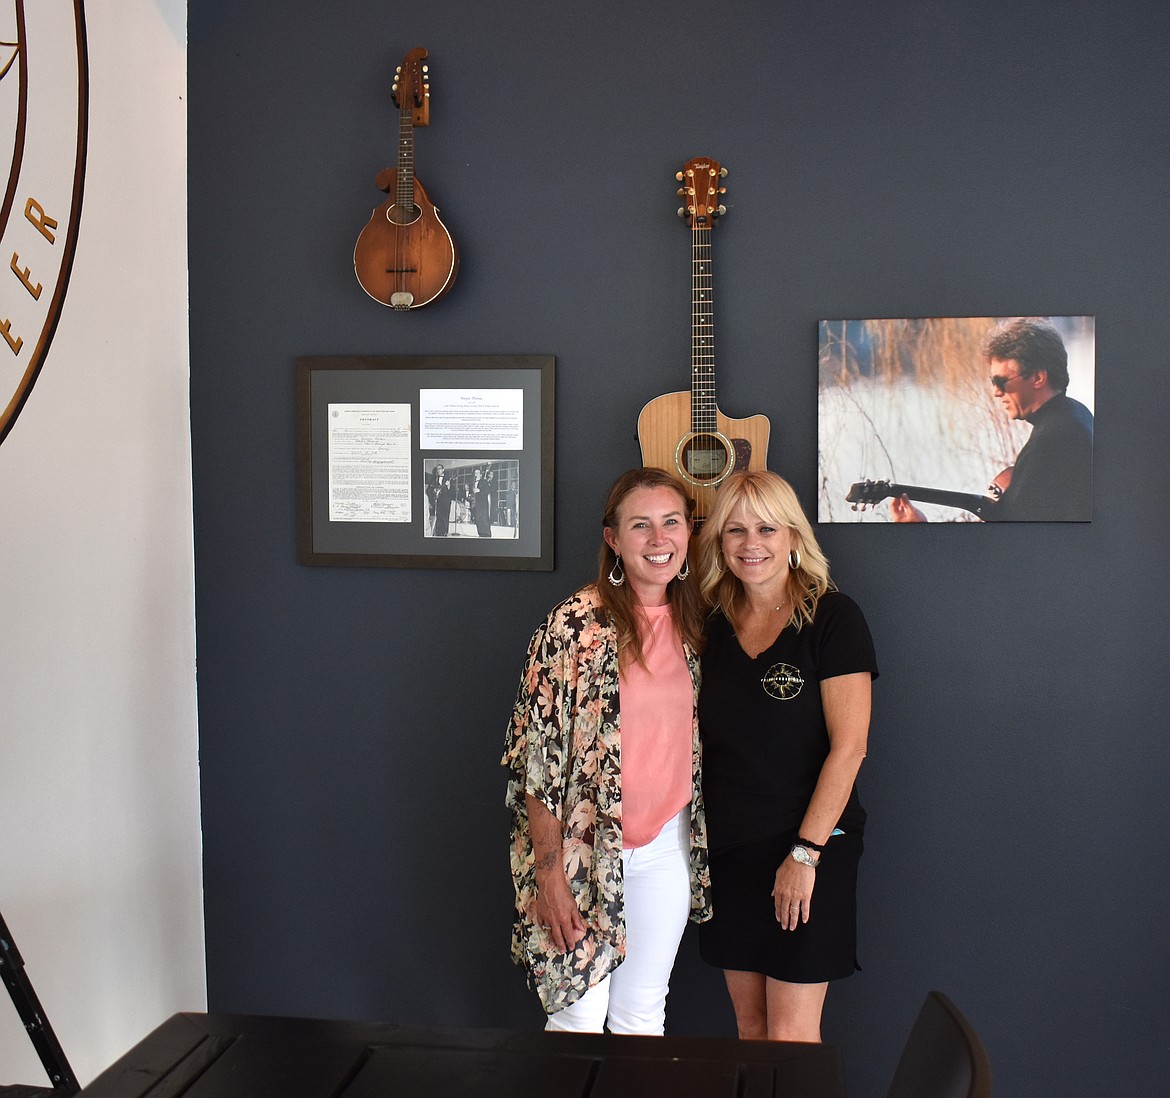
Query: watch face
x,y
804,855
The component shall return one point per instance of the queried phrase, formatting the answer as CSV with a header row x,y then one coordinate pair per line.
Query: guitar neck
x,y
966,501
703,407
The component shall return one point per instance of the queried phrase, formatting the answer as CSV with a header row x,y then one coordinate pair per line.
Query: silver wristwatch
x,y
805,856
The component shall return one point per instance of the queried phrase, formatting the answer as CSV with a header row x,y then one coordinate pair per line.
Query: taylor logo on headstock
x,y
44,90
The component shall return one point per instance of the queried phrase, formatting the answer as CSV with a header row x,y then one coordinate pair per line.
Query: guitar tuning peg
x,y
711,172
678,176
722,173
721,211
680,192
426,68
397,68
682,212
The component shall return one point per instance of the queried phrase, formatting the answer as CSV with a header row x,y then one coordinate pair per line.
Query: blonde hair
x,y
771,498
620,604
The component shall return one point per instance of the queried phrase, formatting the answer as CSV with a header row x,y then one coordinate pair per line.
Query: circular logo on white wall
x,y
44,92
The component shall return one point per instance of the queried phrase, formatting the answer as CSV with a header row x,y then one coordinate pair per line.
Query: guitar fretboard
x,y
703,409
405,189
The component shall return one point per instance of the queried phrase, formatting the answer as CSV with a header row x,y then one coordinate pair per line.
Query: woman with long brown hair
x,y
608,844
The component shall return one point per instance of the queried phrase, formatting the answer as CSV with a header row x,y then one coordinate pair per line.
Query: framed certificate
x,y
426,462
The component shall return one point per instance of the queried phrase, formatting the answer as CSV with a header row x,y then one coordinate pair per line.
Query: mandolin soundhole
x,y
704,458
403,214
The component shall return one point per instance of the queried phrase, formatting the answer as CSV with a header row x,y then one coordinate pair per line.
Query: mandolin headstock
x,y
702,186
412,87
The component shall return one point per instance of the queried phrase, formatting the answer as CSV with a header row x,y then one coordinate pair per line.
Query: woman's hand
x,y
556,909
793,893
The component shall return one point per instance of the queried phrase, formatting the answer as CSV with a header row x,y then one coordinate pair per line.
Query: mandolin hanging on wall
x,y
686,432
405,257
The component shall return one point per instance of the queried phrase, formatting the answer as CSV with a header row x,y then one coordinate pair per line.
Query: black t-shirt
x,y
762,724
1053,476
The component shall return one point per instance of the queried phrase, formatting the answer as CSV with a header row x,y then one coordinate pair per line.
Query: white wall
x,y
100,875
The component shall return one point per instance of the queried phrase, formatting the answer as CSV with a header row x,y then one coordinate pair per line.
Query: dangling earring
x,y
794,558
617,581
686,571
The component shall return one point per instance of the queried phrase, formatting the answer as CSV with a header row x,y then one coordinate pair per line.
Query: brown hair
x,y
620,605
772,499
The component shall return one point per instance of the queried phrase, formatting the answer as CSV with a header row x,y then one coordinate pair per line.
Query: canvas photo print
x,y
956,419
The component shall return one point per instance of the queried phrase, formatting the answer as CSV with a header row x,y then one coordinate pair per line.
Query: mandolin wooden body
x,y
405,257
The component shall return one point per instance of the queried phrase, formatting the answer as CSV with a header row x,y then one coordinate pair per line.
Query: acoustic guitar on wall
x,y
405,257
685,432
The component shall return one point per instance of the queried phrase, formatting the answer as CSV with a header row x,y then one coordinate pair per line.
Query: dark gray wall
x,y
906,158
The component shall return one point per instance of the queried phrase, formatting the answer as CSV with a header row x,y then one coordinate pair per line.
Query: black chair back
x,y
44,1040
944,1057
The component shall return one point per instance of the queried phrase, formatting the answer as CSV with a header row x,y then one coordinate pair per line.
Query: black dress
x,y
764,743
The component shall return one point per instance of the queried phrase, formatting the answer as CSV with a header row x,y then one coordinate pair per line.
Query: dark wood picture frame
x,y
371,499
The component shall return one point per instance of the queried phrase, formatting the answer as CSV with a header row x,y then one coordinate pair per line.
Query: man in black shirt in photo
x,y
1052,479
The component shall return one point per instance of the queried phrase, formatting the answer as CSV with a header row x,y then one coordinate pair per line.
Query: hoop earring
x,y
686,571
794,558
617,581
720,565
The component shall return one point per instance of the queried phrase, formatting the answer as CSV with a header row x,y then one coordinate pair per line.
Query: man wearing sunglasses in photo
x,y
1052,478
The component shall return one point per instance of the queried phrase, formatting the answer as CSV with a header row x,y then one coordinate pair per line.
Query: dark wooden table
x,y
240,1056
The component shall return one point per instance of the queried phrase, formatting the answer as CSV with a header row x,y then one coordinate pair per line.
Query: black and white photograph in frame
x,y
472,497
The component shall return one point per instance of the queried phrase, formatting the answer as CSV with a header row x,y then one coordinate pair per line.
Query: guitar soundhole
x,y
704,458
403,215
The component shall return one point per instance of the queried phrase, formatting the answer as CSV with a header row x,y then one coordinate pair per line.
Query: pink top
x,y
656,705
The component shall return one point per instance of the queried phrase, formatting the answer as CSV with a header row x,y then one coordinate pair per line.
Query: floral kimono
x,y
564,748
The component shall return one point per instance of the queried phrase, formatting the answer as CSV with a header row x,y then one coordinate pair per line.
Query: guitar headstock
x,y
868,492
702,184
412,87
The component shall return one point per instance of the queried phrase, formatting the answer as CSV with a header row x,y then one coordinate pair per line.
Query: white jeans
x,y
657,901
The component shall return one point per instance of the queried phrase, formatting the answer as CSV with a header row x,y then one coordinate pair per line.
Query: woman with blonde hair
x,y
784,718
608,844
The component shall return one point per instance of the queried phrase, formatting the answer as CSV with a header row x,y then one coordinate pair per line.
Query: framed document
x,y
426,462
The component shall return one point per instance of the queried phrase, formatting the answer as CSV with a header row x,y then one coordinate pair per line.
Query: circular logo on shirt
x,y
43,112
783,681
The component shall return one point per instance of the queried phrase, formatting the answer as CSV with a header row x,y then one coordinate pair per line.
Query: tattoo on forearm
x,y
547,861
